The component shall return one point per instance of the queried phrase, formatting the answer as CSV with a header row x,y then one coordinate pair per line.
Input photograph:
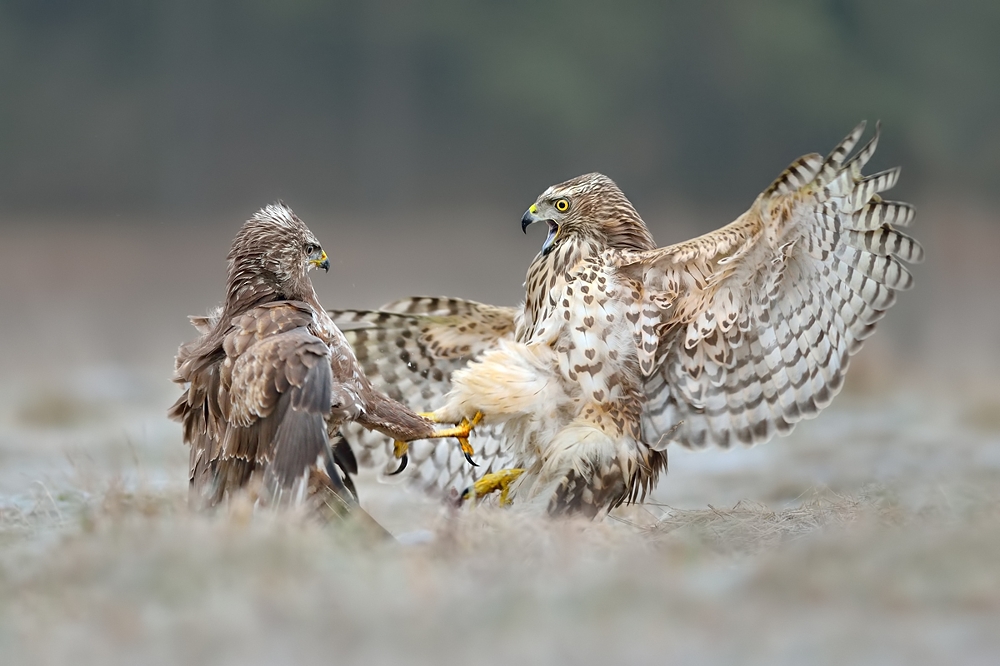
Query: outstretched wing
x,y
409,350
747,330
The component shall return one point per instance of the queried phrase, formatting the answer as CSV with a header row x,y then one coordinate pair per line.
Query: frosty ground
x,y
871,535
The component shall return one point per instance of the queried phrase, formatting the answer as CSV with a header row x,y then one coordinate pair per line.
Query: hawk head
x,y
588,207
273,253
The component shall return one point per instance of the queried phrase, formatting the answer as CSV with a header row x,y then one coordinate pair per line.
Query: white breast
x,y
596,344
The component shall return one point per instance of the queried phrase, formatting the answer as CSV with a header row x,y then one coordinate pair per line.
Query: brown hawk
x,y
621,347
271,375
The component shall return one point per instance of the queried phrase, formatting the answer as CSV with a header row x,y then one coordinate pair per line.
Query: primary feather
x,y
621,347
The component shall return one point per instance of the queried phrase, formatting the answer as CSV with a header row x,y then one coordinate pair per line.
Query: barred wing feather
x,y
747,330
409,349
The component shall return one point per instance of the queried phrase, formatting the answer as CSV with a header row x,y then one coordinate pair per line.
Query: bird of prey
x,y
621,348
271,375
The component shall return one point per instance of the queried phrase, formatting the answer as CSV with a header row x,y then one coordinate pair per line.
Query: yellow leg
x,y
490,483
461,432
400,449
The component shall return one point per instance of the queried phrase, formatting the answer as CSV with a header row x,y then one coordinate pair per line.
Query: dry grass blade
x,y
749,527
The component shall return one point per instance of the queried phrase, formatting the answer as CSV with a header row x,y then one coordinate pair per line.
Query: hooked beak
x,y
530,217
323,262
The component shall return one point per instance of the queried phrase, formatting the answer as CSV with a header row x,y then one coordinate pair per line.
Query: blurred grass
x,y
54,409
119,576
802,560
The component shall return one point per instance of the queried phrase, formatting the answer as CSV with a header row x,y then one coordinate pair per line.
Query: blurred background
x,y
135,138
178,109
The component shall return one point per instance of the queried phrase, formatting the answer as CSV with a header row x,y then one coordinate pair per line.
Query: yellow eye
x,y
562,205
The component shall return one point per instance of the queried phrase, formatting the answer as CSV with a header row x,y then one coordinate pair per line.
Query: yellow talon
x,y
400,450
460,432
490,483
463,443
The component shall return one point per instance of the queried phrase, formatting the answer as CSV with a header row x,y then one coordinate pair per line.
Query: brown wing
x,y
749,329
409,350
260,403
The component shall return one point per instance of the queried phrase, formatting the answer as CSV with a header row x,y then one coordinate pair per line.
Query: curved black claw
x,y
468,457
402,465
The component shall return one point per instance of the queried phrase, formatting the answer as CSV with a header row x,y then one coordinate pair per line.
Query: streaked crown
x,y
593,207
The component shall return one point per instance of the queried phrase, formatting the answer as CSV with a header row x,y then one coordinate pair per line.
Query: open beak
x,y
323,262
530,217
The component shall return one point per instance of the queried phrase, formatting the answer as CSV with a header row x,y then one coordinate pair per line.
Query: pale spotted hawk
x,y
621,347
